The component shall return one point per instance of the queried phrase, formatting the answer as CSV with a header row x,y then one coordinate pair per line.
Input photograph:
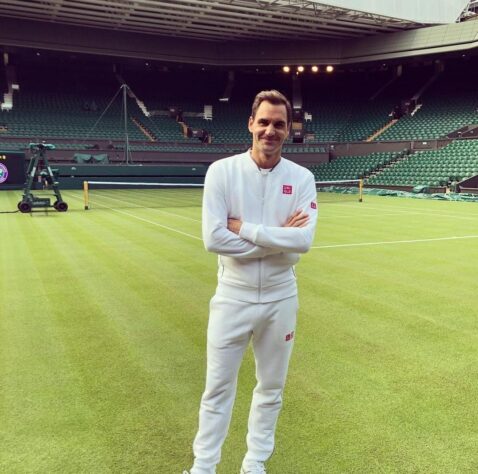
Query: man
x,y
259,213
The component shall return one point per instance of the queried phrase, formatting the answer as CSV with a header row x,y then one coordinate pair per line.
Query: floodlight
x,y
286,69
300,68
329,68
314,68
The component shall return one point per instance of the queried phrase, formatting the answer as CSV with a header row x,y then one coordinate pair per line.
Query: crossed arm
x,y
297,219
227,235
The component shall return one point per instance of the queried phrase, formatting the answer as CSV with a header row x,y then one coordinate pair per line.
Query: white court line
x,y
145,220
406,211
175,215
392,242
348,216
173,199
427,213
157,224
361,244
410,211
168,185
342,216
166,199
150,208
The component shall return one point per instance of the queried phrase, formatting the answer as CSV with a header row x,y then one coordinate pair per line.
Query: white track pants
x,y
231,325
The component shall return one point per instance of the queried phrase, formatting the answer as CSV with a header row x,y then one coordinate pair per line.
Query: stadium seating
x,y
77,106
61,115
449,104
351,167
454,162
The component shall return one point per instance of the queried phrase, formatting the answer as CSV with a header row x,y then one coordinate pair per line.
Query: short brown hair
x,y
275,98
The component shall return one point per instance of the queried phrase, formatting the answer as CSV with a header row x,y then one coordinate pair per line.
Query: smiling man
x,y
259,214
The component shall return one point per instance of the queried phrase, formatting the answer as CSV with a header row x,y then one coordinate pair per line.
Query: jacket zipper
x,y
263,194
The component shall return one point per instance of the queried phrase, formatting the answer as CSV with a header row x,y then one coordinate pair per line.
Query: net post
x,y
85,194
360,190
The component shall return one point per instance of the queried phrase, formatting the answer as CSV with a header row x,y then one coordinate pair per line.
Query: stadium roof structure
x,y
221,20
242,32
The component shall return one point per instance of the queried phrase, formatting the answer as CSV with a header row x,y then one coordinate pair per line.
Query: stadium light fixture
x,y
286,69
329,68
300,68
314,69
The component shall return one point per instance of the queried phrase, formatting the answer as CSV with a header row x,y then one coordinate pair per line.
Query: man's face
x,y
269,128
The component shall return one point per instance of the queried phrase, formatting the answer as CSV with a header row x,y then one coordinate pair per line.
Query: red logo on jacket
x,y
313,205
286,189
289,337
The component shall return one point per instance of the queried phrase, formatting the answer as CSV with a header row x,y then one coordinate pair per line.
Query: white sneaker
x,y
253,467
201,471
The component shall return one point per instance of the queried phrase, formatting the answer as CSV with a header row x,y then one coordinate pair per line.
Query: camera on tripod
x,y
40,169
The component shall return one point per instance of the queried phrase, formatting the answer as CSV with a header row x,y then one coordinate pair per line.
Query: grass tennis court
x,y
102,339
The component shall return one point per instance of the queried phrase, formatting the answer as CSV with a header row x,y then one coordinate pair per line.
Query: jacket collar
x,y
253,165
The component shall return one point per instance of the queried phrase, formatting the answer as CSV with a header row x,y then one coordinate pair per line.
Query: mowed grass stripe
x,y
42,403
171,197
358,296
102,203
410,226
106,201
107,276
383,370
401,342
446,209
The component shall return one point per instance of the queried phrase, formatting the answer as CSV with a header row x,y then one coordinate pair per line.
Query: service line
x,y
393,242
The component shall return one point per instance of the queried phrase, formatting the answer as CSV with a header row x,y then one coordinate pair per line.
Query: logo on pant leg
x,y
289,336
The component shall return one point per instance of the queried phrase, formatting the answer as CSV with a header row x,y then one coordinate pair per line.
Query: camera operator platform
x,y
40,169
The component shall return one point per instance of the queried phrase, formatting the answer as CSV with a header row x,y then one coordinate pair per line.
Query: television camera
x,y
39,170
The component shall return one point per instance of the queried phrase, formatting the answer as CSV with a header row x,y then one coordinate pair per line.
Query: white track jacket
x,y
258,264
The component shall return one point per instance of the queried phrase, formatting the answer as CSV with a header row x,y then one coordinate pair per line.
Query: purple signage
x,y
3,173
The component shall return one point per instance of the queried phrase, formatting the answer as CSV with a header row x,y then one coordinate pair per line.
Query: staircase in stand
x,y
378,132
145,130
397,159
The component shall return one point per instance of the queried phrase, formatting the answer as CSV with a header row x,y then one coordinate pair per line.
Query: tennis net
x,y
340,190
119,194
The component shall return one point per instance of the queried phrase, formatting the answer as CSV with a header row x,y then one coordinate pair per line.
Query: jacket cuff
x,y
248,231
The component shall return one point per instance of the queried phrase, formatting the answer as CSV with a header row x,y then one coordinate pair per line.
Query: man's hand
x,y
234,225
298,219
